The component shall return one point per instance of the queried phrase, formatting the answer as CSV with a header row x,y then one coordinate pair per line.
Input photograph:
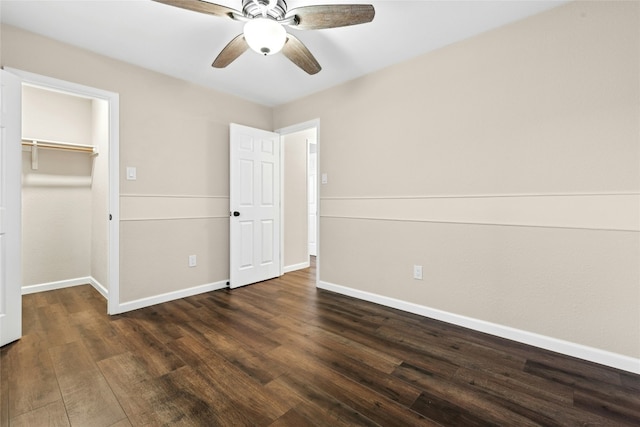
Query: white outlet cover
x,y
417,272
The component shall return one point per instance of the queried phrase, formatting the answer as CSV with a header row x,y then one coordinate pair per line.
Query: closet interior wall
x,y
295,196
64,200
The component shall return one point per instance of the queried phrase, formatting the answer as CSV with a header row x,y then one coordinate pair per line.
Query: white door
x,y
255,205
312,182
10,208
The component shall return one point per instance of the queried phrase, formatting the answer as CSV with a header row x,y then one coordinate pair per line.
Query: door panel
x,y
255,205
10,208
246,248
267,184
267,242
246,183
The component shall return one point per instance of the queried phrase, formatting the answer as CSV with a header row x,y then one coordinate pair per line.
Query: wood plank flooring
x,y
282,353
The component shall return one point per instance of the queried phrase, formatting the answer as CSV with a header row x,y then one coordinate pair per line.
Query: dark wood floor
x,y
282,353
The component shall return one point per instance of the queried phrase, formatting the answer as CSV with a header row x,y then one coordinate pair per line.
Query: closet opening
x,y
65,190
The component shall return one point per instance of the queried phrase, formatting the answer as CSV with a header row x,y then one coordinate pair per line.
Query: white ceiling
x,y
183,44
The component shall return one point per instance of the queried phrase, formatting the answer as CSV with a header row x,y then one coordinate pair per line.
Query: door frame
x,y
314,123
113,99
315,201
11,210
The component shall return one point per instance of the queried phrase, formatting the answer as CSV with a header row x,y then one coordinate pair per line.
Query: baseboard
x,y
60,284
98,287
169,296
294,267
591,354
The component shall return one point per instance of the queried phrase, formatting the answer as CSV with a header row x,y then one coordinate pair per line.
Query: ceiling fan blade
x,y
300,55
331,16
231,52
202,7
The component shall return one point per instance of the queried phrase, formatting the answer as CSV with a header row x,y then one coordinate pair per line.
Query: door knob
x,y
236,213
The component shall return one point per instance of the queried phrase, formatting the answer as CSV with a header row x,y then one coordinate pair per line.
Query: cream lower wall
x,y
576,285
155,253
159,232
507,165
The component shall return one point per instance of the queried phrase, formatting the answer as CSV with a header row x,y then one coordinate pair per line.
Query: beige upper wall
x,y
174,131
177,136
545,105
507,165
56,116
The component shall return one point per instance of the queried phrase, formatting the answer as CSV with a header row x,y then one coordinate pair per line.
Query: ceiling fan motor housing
x,y
275,9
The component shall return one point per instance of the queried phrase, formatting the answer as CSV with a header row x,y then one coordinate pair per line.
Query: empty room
x,y
299,213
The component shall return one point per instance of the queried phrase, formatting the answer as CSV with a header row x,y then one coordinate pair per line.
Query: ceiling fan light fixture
x,y
265,36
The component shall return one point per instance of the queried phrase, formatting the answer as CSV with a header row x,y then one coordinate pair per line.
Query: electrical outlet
x,y
192,261
417,272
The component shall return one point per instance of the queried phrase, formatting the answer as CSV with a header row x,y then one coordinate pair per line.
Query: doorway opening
x,y
70,186
300,191
65,176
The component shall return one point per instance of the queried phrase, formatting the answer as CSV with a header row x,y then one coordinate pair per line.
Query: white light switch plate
x,y
324,178
131,173
417,272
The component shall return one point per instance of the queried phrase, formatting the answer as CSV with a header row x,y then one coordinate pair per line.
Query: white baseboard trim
x,y
294,267
580,351
169,296
60,284
50,286
98,287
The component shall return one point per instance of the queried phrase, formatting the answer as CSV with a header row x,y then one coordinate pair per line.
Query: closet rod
x,y
58,145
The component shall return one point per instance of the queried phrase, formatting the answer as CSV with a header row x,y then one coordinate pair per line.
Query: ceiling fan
x,y
264,22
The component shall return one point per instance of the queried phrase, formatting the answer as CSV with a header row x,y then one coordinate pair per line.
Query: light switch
x,y
131,173
324,178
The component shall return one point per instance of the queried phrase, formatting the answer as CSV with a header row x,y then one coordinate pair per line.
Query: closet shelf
x,y
58,145
35,144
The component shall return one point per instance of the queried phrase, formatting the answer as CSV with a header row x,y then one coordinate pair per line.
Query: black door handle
x,y
236,213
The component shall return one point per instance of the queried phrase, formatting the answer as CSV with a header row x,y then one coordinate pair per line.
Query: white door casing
x,y
312,185
10,208
113,302
254,205
315,124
